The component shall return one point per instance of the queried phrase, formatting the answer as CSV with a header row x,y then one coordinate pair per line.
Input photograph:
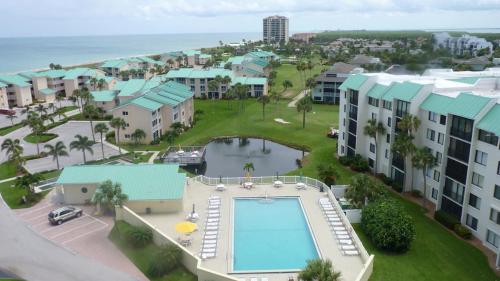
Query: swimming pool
x,y
271,236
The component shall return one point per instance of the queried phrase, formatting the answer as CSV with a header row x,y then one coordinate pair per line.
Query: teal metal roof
x,y
146,103
83,71
131,87
2,85
405,91
354,82
199,73
52,73
103,96
27,74
114,63
47,91
14,80
437,103
467,80
191,52
139,182
377,91
249,80
491,121
468,105
236,60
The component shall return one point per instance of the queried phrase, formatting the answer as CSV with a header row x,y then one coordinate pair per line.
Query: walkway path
x,y
297,98
153,157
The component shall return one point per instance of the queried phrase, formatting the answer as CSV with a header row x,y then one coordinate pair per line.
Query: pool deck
x,y
197,193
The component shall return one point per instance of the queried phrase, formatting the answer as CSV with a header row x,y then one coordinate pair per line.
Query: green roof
x,y
191,52
139,182
47,91
130,87
468,105
466,80
146,103
377,91
405,91
102,96
236,60
114,63
52,73
437,103
249,80
491,121
14,80
354,82
198,73
83,71
2,85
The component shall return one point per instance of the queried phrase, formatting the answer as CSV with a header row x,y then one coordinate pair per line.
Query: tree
x,y
304,105
14,152
286,84
248,167
83,144
363,190
100,84
28,183
373,129
170,136
36,125
42,110
403,147
60,98
118,124
11,117
93,83
101,129
89,111
241,92
264,99
327,174
409,124
165,260
180,60
424,160
319,270
109,195
137,136
59,149
52,107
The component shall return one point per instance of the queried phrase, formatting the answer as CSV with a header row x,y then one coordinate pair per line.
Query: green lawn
x,y
141,257
7,170
31,138
12,195
6,130
289,72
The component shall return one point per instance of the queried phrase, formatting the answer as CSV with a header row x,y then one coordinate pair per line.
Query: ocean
x,y
27,53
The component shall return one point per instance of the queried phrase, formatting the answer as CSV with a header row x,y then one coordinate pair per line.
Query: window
x,y
461,128
432,116
454,190
495,216
431,134
387,105
389,122
371,162
440,138
492,238
343,121
388,138
434,193
374,116
498,168
402,108
471,222
496,192
475,201
459,149
442,120
387,154
428,172
372,148
124,113
342,149
439,157
127,136
481,157
488,137
372,101
437,175
84,190
477,179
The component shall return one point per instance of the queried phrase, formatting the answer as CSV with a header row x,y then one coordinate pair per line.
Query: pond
x,y
226,157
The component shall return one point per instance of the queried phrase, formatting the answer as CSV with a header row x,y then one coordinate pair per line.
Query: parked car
x,y
6,111
63,214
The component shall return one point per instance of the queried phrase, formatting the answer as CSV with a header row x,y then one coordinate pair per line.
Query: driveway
x,y
32,257
5,122
87,235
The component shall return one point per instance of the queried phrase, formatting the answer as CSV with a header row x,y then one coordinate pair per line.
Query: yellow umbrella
x,y
185,227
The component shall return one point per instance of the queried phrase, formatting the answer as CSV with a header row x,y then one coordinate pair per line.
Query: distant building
x,y
137,67
465,44
186,58
304,37
275,29
15,90
253,64
328,83
360,60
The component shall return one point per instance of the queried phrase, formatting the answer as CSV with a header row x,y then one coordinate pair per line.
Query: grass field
x,y
289,72
41,138
6,130
7,170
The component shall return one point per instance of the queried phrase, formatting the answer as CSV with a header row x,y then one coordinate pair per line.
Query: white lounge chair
x,y
345,241
211,250
213,207
347,247
214,197
324,200
215,215
207,255
350,253
212,228
339,228
213,220
209,241
211,233
300,185
328,208
336,223
210,237
343,236
208,246
340,232
212,224
254,279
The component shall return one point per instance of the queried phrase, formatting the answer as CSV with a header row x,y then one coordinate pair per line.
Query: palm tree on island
x,y
83,144
59,149
248,167
14,152
101,129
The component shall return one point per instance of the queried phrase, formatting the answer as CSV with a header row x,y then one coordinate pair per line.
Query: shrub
x,y
388,226
138,236
155,142
416,193
446,219
462,231
345,160
397,186
165,260
360,166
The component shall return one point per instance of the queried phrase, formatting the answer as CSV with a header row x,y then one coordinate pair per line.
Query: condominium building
x,y
304,37
4,100
154,111
16,89
328,83
253,64
459,113
465,44
275,29
198,81
187,58
136,67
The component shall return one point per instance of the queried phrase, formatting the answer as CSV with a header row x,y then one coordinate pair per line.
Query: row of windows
x,y
488,137
433,117
431,135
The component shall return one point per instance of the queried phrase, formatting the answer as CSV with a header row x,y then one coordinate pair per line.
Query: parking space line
x,y
40,223
71,229
82,235
70,222
98,220
36,209
35,218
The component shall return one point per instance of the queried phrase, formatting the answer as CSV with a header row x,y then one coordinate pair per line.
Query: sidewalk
x,y
297,98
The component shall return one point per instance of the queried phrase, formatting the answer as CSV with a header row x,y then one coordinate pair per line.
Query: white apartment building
x,y
460,124
465,44
15,90
275,29
136,67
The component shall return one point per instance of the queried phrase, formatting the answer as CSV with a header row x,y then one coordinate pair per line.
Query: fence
x,y
262,180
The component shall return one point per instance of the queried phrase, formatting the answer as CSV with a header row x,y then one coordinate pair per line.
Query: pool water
x,y
271,236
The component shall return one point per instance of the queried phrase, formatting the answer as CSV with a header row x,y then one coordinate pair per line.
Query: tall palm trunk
x,y
92,128
303,119
57,161
84,157
118,140
376,156
102,147
425,187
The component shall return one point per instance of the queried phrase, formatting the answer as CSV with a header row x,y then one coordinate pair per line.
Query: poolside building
x,y
151,188
459,114
17,90
328,83
154,110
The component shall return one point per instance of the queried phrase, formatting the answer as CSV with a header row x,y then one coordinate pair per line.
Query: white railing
x,y
261,180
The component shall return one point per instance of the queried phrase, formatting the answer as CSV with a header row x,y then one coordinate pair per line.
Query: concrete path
x,y
31,257
153,157
297,98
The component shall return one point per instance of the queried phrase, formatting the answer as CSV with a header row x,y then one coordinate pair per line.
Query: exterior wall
x,y
38,84
72,193
107,106
4,101
155,206
137,118
23,96
70,85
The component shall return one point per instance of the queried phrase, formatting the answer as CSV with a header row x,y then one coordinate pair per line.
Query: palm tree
x,y
403,146
83,144
93,83
319,270
177,127
109,195
89,111
26,109
240,92
213,86
100,84
76,98
42,110
28,182
170,62
373,129
59,149
363,190
101,129
286,84
310,83
137,136
248,167
118,124
327,174
14,151
180,60
264,99
60,98
424,160
52,107
300,67
11,117
409,125
36,125
304,105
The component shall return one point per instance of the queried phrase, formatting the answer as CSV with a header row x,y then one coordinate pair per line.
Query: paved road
x,y
34,258
4,122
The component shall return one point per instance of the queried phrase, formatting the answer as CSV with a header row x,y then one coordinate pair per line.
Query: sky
x,y
104,17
